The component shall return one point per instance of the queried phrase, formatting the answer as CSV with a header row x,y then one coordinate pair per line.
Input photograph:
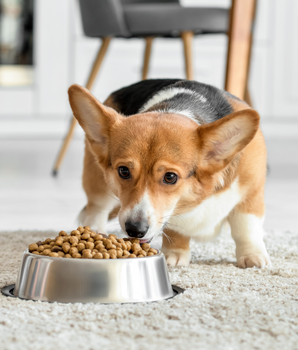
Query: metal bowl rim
x,y
6,291
160,253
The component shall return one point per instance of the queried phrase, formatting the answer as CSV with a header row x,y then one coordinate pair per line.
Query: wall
x,y
64,56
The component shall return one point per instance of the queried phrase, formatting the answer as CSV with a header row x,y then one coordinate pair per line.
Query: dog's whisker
x,y
170,240
115,198
173,225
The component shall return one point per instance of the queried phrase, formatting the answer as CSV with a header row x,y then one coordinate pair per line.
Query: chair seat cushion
x,y
172,19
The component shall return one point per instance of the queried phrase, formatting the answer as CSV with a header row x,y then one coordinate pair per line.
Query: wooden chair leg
x,y
65,145
147,55
239,49
247,97
98,61
93,73
187,38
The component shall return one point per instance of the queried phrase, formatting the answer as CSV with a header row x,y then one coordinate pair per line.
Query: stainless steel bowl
x,y
88,280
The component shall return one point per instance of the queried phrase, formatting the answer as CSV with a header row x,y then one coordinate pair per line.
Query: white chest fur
x,y
205,221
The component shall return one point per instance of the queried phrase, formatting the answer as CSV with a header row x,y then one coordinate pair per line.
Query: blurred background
x,y
43,50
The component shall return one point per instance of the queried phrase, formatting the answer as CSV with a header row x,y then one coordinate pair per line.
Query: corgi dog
x,y
175,157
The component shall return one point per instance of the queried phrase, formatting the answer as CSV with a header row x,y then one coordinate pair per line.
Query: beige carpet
x,y
223,307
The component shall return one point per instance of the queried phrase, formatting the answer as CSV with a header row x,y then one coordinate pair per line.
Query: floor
x,y
31,199
223,307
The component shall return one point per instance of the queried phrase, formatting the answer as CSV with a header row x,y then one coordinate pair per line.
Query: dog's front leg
x,y
176,248
96,213
247,232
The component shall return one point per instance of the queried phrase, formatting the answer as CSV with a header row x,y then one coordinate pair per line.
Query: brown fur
x,y
173,240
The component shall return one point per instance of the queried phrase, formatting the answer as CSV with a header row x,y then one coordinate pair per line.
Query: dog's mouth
x,y
142,240
145,240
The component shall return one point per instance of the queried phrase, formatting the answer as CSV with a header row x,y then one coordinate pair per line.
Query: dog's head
x,y
159,164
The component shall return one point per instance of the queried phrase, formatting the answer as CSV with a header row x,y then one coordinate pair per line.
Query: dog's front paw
x,y
177,257
251,260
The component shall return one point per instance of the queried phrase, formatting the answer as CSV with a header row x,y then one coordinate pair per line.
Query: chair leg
x,y
94,70
247,97
187,38
147,55
98,61
239,49
65,145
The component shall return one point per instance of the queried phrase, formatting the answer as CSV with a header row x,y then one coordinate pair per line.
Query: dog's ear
x,y
95,118
221,140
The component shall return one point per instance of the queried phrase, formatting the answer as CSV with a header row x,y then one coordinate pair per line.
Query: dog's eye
x,y
124,172
170,178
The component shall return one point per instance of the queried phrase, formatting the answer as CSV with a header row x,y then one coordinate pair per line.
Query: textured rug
x,y
223,307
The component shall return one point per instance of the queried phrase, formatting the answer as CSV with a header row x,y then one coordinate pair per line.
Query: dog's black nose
x,y
136,229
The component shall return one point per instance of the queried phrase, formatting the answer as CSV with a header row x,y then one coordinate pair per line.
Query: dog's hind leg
x,y
247,218
247,232
246,222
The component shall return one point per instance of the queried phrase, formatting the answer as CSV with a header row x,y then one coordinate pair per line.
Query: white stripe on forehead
x,y
185,112
168,94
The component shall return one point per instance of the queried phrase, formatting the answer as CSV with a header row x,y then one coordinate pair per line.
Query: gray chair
x,y
148,19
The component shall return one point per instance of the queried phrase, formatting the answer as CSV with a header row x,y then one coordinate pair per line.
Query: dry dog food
x,y
83,243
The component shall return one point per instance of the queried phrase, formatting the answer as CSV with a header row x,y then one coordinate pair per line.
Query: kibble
x,y
85,236
89,245
99,246
54,254
66,247
86,244
135,247
40,249
73,250
105,256
73,239
87,255
56,249
146,246
75,233
80,247
46,252
119,253
59,242
33,247
98,237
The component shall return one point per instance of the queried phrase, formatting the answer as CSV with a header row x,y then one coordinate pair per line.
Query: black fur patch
x,y
131,98
205,103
